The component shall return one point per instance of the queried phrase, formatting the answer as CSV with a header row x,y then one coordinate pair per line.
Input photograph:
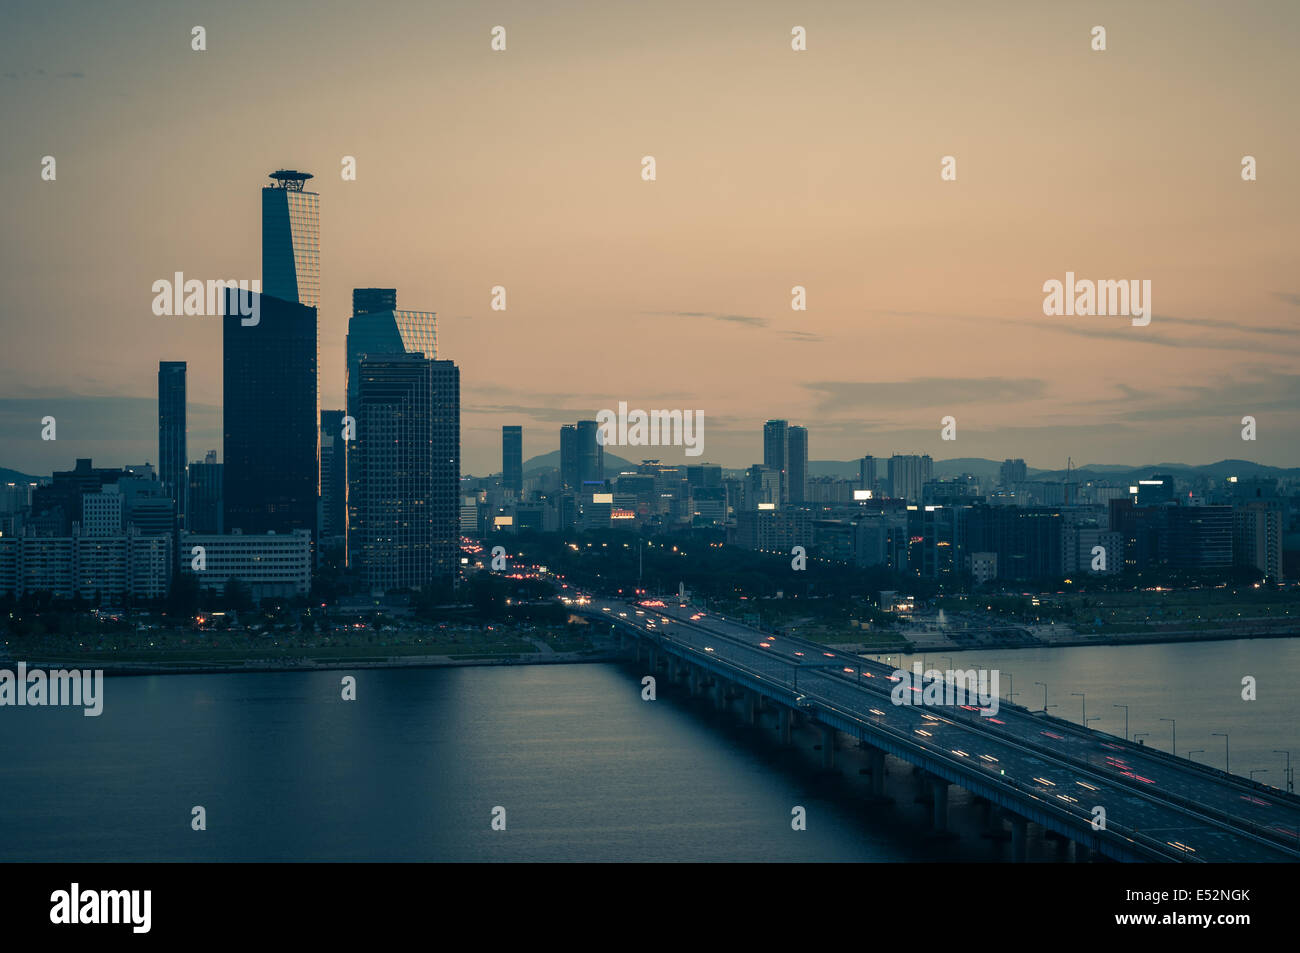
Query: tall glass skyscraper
x,y
333,478
407,457
776,453
271,472
512,459
171,433
291,239
373,335
591,454
797,464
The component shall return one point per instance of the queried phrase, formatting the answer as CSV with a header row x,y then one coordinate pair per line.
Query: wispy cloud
x,y
856,396
747,319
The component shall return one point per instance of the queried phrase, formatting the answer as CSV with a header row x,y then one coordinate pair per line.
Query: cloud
x,y
856,396
1155,334
746,319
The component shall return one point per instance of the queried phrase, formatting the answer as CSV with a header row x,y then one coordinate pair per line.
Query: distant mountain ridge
x,y
14,476
989,469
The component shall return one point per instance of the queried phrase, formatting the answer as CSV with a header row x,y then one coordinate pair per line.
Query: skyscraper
x,y
867,473
333,476
797,470
271,469
512,459
591,453
372,335
368,300
291,239
204,507
776,454
569,457
408,467
908,474
171,433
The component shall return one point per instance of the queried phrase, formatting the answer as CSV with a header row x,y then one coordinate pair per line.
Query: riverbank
x,y
306,664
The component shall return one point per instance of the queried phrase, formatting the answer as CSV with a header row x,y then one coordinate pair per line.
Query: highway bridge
x,y
1029,766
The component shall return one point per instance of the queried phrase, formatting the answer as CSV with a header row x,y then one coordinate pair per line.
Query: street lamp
x,y
1125,707
1290,782
1084,696
1224,736
1197,751
1093,718
1173,735
1141,734
1258,771
1044,684
1011,688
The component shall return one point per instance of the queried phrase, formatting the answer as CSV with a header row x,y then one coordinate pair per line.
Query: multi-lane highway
x,y
1155,805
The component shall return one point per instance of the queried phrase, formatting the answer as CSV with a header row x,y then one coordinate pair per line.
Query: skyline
x,y
522,169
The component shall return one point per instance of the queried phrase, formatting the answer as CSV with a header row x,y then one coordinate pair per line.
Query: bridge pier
x,y
993,828
653,657
828,748
877,773
939,787
1019,833
694,678
1082,853
784,716
751,707
719,692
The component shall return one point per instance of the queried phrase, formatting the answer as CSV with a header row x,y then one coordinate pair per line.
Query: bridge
x,y
1029,767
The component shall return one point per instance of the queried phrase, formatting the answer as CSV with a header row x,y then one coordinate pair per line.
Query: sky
x,y
774,169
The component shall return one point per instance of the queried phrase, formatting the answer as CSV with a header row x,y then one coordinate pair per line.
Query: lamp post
x,y
1224,736
1196,751
1084,703
1258,771
1173,735
1011,688
1125,707
1093,718
1044,684
1290,782
1141,734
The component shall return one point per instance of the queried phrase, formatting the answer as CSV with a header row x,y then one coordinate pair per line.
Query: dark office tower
x,y
867,473
408,463
271,470
569,457
333,476
797,476
373,335
1012,472
369,300
204,513
704,475
291,240
171,433
591,453
512,459
776,453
